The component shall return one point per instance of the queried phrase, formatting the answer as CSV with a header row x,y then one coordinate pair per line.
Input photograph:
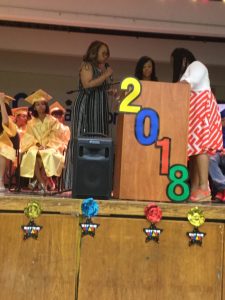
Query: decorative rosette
x,y
89,209
153,214
196,218
32,211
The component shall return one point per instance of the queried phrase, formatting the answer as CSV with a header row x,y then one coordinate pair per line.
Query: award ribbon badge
x,y
196,218
153,214
89,209
32,211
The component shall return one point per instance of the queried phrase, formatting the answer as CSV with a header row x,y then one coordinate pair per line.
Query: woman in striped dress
x,y
205,129
90,110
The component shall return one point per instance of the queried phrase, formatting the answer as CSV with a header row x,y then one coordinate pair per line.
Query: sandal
x,y
50,184
42,188
33,184
200,196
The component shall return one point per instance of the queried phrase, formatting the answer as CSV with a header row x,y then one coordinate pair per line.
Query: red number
x,y
164,144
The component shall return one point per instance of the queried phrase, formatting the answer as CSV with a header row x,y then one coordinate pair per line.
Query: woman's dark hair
x,y
91,55
140,65
9,112
35,113
182,58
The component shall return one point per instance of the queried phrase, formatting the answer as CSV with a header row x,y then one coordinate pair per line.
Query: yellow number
x,y
125,105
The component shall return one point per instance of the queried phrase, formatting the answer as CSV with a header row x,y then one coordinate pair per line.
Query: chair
x,y
60,181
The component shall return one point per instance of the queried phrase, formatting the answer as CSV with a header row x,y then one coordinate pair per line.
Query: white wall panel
x,y
165,16
121,47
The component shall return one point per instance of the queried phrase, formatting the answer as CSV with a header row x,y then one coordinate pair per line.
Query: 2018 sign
x,y
177,173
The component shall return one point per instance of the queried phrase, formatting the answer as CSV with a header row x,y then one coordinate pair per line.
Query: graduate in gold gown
x,y
40,145
7,130
20,115
58,112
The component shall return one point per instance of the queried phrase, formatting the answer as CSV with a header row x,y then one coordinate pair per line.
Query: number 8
x,y
178,181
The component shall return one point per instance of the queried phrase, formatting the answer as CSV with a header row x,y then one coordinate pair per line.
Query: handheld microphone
x,y
106,66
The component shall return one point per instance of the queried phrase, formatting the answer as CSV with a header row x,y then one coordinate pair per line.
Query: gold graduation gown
x,y
64,135
21,131
44,133
6,146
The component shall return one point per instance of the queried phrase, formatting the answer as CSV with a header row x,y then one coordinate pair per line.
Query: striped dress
x,y
205,129
90,115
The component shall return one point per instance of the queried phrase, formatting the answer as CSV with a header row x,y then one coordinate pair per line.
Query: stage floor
x,y
64,203
27,192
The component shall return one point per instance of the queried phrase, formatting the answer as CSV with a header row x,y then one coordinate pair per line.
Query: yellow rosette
x,y
195,217
33,210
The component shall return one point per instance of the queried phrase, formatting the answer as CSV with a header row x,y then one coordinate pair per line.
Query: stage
x,y
63,203
116,263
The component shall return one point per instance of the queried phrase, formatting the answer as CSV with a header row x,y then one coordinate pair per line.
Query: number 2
x,y
125,105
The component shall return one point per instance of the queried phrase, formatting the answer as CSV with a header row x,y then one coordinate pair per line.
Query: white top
x,y
197,76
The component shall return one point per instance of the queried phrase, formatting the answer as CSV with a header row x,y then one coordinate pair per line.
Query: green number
x,y
178,174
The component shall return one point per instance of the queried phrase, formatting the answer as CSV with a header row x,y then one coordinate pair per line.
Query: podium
x,y
141,171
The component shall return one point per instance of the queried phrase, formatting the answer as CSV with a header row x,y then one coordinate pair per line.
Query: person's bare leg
x,y
202,194
193,173
37,170
203,170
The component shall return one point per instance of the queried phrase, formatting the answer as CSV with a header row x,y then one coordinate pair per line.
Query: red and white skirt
x,y
205,128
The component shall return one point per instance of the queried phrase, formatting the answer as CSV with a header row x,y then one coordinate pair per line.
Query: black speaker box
x,y
93,167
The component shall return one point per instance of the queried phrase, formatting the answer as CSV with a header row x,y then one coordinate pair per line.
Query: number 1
x,y
164,144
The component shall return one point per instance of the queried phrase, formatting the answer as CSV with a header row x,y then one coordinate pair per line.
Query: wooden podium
x,y
138,168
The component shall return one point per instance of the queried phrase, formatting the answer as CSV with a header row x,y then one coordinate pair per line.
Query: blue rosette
x,y
89,208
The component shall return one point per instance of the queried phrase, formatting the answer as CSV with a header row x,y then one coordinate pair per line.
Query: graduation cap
x,y
55,107
37,96
20,110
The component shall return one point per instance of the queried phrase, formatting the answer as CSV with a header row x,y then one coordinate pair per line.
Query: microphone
x,y
106,66
70,92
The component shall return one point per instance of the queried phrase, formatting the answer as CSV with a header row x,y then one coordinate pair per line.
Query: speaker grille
x,y
92,174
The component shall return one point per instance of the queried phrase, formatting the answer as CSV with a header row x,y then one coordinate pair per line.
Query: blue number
x,y
152,137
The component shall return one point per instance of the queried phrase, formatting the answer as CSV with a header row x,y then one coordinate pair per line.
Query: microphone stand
x,y
78,90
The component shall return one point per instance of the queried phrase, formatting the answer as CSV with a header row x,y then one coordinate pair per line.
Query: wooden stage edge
x,y
113,207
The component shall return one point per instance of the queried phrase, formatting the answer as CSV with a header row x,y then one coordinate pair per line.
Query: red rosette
x,y
153,213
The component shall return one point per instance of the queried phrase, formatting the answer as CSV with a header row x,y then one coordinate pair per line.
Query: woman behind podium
x,y
205,129
145,69
90,113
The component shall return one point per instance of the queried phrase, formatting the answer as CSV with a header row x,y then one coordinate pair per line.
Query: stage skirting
x,y
116,263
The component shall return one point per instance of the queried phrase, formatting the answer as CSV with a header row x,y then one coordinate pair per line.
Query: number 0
x,y
152,137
